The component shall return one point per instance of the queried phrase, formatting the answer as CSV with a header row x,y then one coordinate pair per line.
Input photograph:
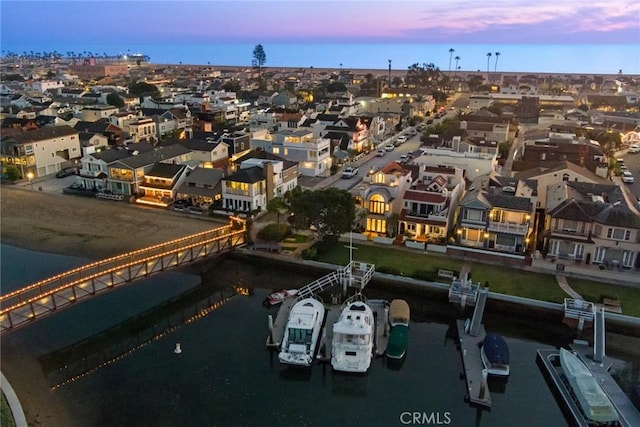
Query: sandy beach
x,y
86,227
79,226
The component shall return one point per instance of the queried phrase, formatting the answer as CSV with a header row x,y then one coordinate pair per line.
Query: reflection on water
x,y
226,376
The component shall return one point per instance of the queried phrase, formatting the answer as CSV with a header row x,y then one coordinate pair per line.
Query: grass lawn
x,y
6,417
297,238
596,291
500,279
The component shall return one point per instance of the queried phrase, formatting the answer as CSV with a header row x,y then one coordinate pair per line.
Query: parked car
x,y
381,153
627,177
66,172
404,158
389,147
349,172
402,139
634,148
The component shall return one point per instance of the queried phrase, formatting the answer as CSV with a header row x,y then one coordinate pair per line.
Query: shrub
x,y
274,232
426,275
310,253
388,270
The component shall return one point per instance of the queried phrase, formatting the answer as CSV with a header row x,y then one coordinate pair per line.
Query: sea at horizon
x,y
565,59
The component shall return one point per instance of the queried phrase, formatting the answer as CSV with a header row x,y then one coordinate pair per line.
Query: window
x,y
618,234
474,215
565,177
377,204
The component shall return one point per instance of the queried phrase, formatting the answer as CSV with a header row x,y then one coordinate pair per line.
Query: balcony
x,y
508,227
569,232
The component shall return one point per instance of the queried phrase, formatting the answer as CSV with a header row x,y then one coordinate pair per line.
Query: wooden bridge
x,y
62,290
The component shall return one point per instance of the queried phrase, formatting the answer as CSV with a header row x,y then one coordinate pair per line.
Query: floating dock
x,y
324,351
381,315
474,373
276,330
471,333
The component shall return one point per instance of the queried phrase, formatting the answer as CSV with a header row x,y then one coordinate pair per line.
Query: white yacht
x,y
592,399
301,335
353,336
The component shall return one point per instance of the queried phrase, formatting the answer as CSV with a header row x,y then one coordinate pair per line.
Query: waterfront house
x,y
42,151
202,186
381,197
126,175
495,218
591,224
93,172
160,184
429,205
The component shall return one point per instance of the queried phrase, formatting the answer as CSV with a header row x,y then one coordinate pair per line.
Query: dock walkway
x,y
477,388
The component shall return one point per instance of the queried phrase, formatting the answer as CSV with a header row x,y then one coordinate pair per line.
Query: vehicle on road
x,y
627,177
349,172
66,172
402,139
389,147
404,158
634,148
380,153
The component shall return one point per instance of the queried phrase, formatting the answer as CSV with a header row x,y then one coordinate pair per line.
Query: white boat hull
x,y
353,336
593,401
302,333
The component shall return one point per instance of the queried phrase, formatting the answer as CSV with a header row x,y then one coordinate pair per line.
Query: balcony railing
x,y
569,231
508,227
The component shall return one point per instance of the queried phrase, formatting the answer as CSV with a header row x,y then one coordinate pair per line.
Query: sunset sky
x,y
26,23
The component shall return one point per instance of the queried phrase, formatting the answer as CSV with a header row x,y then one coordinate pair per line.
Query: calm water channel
x,y
111,359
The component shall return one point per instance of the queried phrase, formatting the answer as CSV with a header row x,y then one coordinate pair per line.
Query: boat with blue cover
x,y
495,355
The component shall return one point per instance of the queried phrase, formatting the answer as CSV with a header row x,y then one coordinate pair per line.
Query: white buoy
x,y
177,350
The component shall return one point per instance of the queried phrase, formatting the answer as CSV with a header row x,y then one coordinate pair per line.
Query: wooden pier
x,y
471,333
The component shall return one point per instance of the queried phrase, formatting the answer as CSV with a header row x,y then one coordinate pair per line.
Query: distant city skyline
x,y
544,36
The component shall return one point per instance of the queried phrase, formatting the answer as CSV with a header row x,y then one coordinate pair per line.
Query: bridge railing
x,y
39,292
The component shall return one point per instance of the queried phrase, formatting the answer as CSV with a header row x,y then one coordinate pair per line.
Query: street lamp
x,y
30,178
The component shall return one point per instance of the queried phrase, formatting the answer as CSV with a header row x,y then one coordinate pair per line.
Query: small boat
x,y
399,314
495,355
592,399
300,338
279,296
353,336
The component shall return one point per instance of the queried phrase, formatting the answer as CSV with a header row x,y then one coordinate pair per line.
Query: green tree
x,y
115,100
12,172
277,206
331,211
142,89
259,58
336,87
475,82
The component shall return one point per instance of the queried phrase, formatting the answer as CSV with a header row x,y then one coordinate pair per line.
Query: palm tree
x,y
496,65
457,58
488,59
451,50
